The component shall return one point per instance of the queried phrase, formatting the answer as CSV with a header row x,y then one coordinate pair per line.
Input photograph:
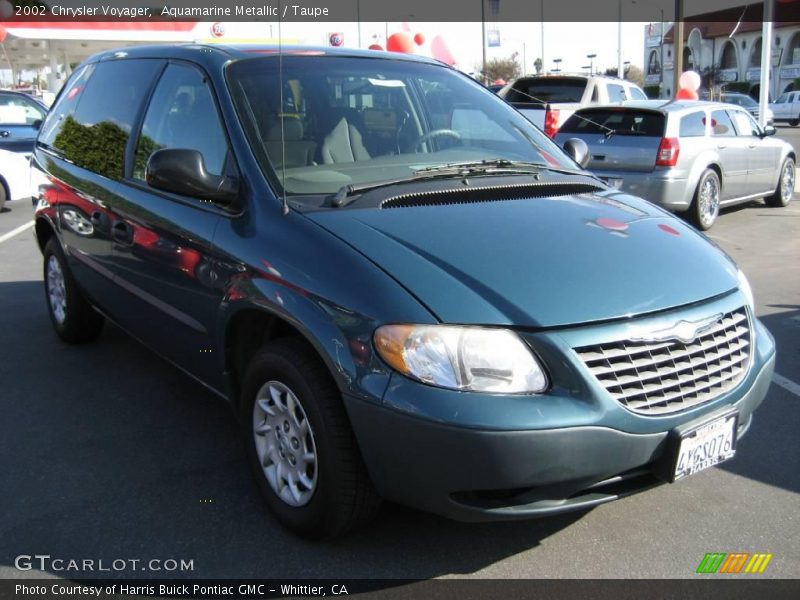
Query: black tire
x,y
81,322
794,122
778,199
701,218
344,497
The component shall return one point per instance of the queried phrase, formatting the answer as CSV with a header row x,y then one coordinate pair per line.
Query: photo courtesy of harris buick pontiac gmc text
x,y
404,288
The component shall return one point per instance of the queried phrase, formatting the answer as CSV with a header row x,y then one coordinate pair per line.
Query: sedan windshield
x,y
318,123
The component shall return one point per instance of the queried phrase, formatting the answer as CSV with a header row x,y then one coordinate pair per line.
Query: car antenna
x,y
285,205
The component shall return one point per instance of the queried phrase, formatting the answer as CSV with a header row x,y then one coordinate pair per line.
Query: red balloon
x,y
686,94
419,39
499,82
375,47
400,42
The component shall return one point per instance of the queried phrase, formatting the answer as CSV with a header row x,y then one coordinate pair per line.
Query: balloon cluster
x,y
407,43
689,84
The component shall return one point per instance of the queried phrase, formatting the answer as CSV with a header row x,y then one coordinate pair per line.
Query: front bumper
x,y
449,464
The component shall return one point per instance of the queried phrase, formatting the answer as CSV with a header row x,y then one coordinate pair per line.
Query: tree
x,y
501,68
537,64
632,73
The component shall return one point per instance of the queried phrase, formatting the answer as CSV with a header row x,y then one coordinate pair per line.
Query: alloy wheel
x,y
285,444
56,290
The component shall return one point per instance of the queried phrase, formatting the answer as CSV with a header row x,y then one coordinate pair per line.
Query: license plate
x,y
706,445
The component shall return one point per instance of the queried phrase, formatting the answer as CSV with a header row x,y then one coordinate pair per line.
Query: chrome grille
x,y
668,376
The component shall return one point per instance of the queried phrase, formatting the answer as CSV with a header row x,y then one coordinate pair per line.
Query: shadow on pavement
x,y
107,452
772,453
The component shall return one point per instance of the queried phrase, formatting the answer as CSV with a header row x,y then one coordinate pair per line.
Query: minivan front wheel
x,y
785,190
74,319
300,444
705,206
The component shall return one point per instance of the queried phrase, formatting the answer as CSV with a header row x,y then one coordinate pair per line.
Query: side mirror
x,y
183,171
578,150
769,130
36,124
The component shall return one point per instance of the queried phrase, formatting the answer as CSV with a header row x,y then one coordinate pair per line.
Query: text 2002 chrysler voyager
x,y
406,290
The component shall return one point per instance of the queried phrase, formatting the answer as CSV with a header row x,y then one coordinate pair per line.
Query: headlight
x,y
472,359
744,286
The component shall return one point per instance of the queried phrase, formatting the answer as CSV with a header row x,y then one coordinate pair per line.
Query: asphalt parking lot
x,y
106,452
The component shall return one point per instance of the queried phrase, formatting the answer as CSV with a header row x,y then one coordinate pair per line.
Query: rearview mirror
x,y
183,171
578,150
769,130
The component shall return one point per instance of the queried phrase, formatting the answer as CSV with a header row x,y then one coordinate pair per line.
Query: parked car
x,y
15,177
20,119
746,102
405,289
549,100
786,109
687,156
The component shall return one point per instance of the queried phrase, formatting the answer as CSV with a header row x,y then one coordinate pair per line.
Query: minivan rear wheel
x,y
705,206
785,190
300,443
74,319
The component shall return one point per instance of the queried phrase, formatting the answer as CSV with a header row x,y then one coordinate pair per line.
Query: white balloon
x,y
690,80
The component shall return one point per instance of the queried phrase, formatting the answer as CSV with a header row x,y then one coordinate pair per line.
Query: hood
x,y
539,262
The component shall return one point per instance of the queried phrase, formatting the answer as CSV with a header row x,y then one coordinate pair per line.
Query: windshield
x,y
746,101
545,89
339,121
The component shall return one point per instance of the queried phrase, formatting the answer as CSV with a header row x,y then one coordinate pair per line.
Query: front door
x,y
165,257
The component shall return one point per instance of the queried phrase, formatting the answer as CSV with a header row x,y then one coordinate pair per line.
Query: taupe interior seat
x,y
343,144
296,151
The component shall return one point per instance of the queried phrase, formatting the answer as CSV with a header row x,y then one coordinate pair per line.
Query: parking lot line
x,y
7,236
786,384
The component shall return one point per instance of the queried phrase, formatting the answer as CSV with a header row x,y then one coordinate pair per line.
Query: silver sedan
x,y
685,156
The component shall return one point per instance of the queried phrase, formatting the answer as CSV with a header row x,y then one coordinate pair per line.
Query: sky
x,y
569,41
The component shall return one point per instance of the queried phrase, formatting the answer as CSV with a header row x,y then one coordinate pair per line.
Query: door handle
x,y
721,147
5,133
122,233
752,145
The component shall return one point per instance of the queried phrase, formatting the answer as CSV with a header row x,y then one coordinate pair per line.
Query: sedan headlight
x,y
472,359
746,290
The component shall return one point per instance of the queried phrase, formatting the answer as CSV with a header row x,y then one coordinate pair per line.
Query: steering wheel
x,y
436,133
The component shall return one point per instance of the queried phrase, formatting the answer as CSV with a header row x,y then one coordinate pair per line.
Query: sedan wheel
x,y
785,190
705,207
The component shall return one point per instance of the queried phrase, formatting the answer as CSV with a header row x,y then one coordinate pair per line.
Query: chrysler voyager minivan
x,y
405,289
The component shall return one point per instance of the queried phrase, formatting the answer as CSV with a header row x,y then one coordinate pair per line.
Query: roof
x,y
242,51
662,105
722,22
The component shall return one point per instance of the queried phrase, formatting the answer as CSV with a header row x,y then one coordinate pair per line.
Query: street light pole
x,y
677,47
591,58
766,63
483,40
619,40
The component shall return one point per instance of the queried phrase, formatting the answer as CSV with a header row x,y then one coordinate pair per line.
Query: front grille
x,y
668,376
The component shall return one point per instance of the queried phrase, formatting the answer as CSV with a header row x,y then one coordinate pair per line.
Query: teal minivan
x,y
406,290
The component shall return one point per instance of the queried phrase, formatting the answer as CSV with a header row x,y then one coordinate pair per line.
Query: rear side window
x,y
721,124
637,94
95,135
182,114
619,121
65,105
616,93
693,125
544,90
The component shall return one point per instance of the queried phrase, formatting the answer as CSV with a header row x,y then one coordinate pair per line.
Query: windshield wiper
x,y
499,166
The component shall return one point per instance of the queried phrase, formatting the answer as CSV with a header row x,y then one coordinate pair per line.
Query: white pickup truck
x,y
786,109
549,100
